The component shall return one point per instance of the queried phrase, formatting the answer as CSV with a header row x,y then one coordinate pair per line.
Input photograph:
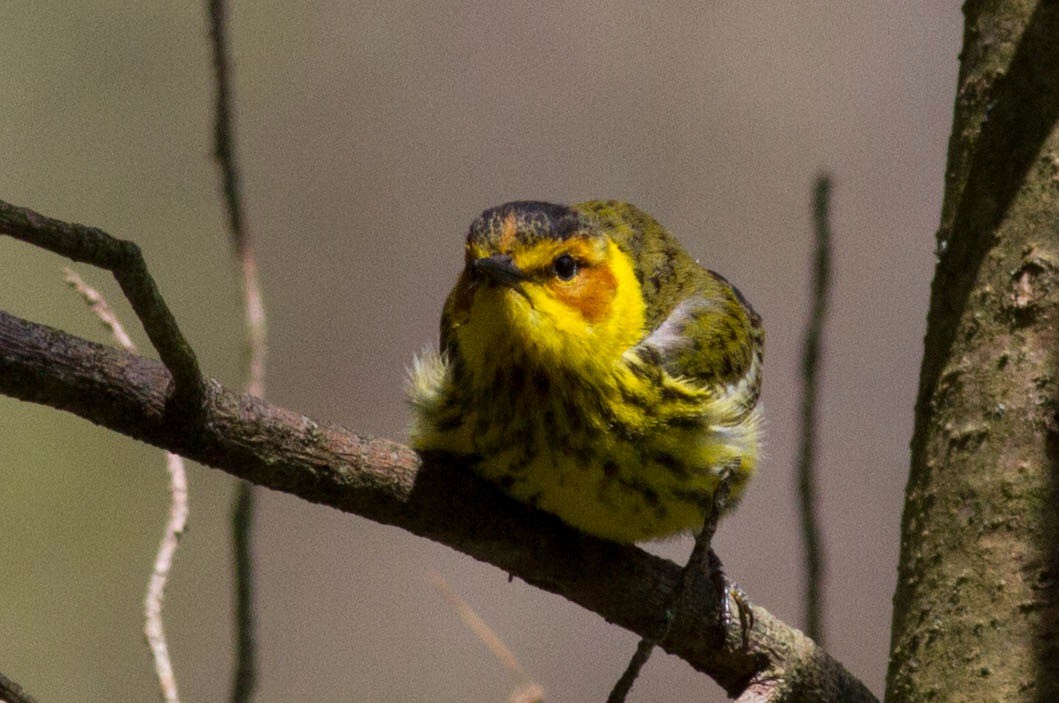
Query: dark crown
x,y
524,221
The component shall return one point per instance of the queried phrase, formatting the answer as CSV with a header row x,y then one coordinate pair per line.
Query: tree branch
x,y
977,601
433,497
123,259
11,692
389,483
176,522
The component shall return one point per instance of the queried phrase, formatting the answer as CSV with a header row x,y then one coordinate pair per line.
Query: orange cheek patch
x,y
590,293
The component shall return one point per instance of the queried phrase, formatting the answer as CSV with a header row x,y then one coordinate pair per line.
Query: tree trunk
x,y
975,613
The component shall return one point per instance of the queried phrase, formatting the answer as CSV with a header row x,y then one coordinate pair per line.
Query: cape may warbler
x,y
593,369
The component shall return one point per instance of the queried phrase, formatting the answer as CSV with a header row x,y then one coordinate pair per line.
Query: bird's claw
x,y
729,592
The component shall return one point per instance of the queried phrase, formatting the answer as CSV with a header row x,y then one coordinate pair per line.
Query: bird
x,y
590,367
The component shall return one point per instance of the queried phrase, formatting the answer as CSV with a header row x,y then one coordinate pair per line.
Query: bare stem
x,y
245,675
814,550
527,690
430,496
702,561
632,671
124,259
163,563
223,137
97,304
178,511
426,495
11,692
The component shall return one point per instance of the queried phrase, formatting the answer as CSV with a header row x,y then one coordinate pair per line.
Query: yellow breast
x,y
551,386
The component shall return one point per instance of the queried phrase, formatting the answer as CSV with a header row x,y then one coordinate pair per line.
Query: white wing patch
x,y
670,334
732,402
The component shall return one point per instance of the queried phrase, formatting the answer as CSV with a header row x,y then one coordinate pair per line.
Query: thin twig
x,y
256,348
223,133
389,483
632,671
175,525
124,259
97,304
11,692
163,563
527,690
814,550
245,675
702,561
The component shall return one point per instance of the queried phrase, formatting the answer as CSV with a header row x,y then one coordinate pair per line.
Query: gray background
x,y
369,138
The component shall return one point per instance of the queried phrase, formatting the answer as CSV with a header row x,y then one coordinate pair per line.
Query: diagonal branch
x,y
11,692
389,483
176,522
123,259
381,480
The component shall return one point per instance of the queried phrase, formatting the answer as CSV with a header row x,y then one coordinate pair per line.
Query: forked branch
x,y
123,259
389,483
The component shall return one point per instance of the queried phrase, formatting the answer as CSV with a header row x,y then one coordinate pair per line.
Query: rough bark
x,y
387,482
975,613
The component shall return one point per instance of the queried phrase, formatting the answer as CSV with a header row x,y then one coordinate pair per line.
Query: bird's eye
x,y
565,267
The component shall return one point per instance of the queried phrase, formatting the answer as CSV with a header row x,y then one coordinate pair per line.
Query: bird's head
x,y
548,280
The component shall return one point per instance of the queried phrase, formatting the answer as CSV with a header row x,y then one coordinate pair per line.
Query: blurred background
x,y
369,136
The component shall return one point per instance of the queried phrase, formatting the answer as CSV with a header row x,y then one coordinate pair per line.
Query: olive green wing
x,y
699,326
712,338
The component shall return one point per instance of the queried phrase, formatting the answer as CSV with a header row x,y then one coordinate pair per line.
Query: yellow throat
x,y
590,368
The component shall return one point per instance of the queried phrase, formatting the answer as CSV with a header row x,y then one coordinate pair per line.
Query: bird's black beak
x,y
500,269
